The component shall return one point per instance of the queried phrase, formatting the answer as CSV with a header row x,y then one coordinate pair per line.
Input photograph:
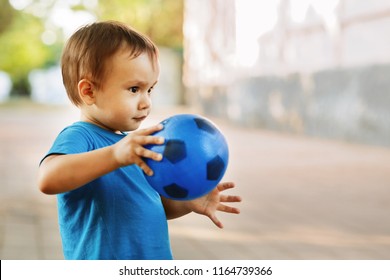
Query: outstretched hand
x,y
209,204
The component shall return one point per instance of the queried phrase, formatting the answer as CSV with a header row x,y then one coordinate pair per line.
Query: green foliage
x,y
161,20
6,15
22,50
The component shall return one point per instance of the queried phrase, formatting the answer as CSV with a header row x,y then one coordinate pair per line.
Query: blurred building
x,y
314,67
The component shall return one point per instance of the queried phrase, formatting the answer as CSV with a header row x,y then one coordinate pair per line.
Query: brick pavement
x,y
302,198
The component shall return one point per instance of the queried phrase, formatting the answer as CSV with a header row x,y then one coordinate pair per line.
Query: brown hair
x,y
88,50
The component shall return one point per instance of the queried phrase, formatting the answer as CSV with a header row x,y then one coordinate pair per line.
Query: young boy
x,y
107,210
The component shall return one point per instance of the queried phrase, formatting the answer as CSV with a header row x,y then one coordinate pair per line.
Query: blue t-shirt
x,y
116,216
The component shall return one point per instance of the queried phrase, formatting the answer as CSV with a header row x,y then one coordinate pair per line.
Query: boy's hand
x,y
208,205
131,150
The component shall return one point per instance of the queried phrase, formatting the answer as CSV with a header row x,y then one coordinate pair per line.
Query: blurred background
x,y
301,89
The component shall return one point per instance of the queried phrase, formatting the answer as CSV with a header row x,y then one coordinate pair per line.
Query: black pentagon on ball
x,y
215,168
175,191
175,151
205,125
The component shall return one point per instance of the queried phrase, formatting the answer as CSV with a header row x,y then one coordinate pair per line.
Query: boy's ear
x,y
86,91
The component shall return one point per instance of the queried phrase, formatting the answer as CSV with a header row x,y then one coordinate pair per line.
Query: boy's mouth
x,y
140,119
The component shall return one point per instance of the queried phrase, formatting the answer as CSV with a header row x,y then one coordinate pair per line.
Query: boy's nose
x,y
144,101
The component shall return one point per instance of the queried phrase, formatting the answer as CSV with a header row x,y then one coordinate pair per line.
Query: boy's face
x,y
123,101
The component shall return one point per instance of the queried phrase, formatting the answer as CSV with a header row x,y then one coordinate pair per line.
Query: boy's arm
x,y
206,205
62,173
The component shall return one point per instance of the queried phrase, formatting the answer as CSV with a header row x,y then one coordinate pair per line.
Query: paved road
x,y
303,198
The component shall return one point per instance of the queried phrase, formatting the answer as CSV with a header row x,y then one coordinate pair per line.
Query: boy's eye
x,y
150,90
133,89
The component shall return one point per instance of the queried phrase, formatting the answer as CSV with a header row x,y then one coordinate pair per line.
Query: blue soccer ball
x,y
195,158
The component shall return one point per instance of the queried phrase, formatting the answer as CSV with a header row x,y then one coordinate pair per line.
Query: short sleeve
x,y
71,140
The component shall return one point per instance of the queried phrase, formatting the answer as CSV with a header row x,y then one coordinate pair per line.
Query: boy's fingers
x,y
145,153
230,198
145,140
215,220
228,209
150,130
152,155
144,167
225,186
155,140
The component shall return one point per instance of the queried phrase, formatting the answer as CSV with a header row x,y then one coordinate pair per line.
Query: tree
x,y
161,20
6,15
22,50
